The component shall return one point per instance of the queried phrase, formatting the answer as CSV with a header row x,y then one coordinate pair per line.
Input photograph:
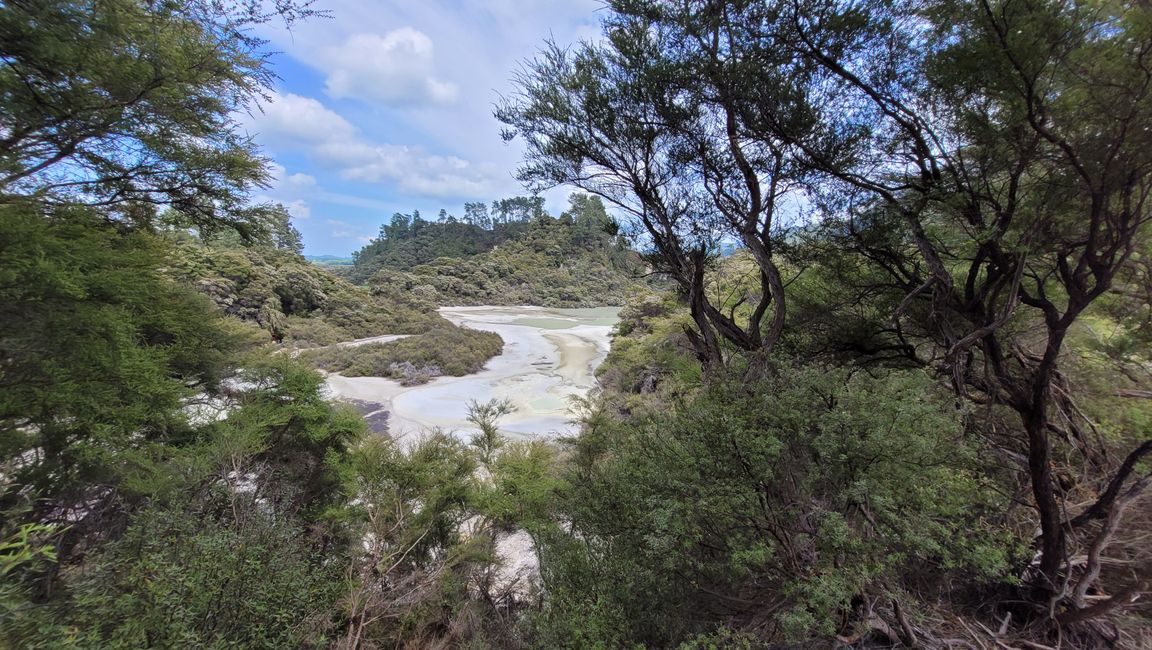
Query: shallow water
x,y
549,357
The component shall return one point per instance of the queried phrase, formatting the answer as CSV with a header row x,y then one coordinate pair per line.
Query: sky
x,y
387,107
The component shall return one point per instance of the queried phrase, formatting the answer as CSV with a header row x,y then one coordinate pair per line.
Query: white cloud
x,y
397,68
477,47
345,230
302,122
299,209
411,168
294,185
289,190
293,119
395,106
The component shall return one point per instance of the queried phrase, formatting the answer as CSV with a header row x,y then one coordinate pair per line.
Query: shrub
x,y
448,350
771,507
183,579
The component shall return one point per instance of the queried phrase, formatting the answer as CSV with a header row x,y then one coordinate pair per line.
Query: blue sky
x,y
387,107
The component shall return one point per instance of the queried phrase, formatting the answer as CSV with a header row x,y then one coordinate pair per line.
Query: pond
x,y
549,356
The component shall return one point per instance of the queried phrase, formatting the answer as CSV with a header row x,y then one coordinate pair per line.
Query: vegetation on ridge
x,y
911,410
515,254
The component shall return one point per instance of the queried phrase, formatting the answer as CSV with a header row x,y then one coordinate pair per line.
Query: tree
x,y
98,346
477,213
991,160
282,233
398,228
518,209
1019,169
118,102
655,121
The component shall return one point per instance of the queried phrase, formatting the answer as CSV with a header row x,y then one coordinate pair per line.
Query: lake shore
x,y
549,356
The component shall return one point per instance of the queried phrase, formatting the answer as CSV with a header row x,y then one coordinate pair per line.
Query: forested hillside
x,y
409,240
910,408
271,285
514,254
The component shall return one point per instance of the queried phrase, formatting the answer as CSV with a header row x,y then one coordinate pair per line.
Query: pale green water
x,y
547,403
605,316
547,323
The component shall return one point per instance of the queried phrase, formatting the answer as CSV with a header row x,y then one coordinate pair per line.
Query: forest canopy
x,y
891,387
514,253
971,182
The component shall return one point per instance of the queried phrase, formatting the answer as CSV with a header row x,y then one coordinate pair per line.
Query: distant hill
x,y
292,299
329,260
514,254
305,305
409,240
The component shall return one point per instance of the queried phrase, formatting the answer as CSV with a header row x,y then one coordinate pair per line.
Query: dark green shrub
x,y
449,350
770,508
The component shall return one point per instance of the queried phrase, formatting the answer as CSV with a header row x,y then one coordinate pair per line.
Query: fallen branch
x,y
1100,509
907,636
1103,538
1124,597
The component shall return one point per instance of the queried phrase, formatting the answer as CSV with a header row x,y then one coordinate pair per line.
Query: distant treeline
x,y
510,251
409,240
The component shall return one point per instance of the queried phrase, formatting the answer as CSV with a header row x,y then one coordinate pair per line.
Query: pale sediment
x,y
549,356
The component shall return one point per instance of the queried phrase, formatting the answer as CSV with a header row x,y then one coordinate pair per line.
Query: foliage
x,y
292,299
771,507
186,578
487,441
526,485
409,241
225,551
576,260
24,549
115,382
165,483
982,166
411,580
908,251
123,103
99,349
659,118
449,350
650,358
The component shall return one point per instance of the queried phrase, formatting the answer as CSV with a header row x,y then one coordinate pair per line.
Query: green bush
x,y
187,579
773,505
450,350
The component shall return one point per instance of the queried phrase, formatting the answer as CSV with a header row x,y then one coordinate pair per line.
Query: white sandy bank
x,y
549,355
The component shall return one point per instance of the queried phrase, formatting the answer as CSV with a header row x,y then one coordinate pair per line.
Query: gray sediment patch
x,y
542,366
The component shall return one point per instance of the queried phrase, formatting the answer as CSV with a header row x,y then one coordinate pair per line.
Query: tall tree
x,y
518,208
119,101
1003,143
282,234
656,122
1011,142
477,213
